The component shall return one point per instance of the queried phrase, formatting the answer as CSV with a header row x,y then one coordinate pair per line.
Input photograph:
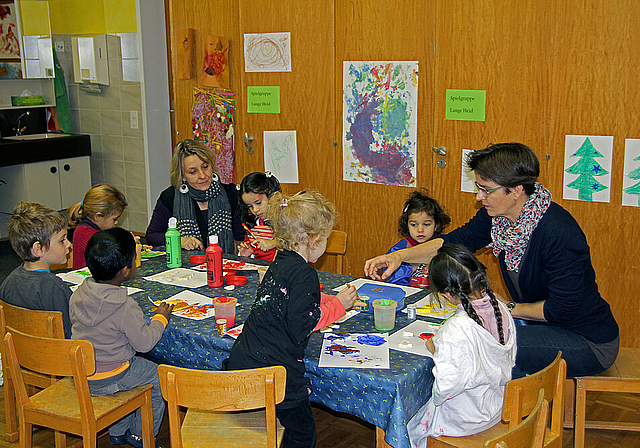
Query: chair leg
x,y
26,434
60,439
11,433
569,402
581,404
146,415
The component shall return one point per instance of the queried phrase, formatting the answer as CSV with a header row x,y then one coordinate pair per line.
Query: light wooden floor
x,y
344,431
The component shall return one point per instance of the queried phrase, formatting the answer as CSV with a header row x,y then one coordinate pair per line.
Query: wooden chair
x,y
67,405
520,398
529,433
337,245
622,376
225,407
37,323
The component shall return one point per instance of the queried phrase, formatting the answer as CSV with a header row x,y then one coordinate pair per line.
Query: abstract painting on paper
x,y
379,114
354,350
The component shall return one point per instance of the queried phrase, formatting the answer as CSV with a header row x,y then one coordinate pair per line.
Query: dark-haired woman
x,y
545,262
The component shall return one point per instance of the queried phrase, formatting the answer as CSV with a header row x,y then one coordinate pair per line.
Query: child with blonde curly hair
x,y
288,307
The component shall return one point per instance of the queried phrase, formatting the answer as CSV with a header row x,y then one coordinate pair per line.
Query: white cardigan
x,y
471,370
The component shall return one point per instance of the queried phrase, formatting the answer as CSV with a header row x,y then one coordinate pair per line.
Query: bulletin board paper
x,y
186,278
267,52
408,339
190,305
587,168
281,155
355,350
357,283
631,181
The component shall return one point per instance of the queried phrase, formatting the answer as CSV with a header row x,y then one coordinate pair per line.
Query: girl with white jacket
x,y
473,352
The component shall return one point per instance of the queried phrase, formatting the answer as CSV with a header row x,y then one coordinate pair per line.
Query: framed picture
x,y
9,37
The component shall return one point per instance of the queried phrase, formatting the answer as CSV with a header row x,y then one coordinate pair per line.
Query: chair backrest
x,y
50,356
34,322
231,390
529,433
337,245
521,395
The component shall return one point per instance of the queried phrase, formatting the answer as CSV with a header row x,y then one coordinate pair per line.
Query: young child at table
x,y
254,191
473,351
422,219
287,307
103,313
38,235
99,210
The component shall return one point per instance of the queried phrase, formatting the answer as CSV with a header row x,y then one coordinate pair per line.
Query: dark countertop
x,y
18,152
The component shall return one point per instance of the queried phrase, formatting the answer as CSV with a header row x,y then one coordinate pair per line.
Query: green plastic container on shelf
x,y
35,100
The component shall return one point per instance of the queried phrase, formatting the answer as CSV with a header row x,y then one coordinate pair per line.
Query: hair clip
x,y
238,187
285,203
81,203
405,209
268,174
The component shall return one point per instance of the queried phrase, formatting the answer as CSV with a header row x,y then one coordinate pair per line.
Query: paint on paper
x,y
353,350
587,162
215,72
212,121
379,116
9,45
631,181
267,52
190,305
281,155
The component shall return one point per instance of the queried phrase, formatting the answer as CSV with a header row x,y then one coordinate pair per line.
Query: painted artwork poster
x,y
587,167
9,45
267,52
379,122
631,180
212,121
215,72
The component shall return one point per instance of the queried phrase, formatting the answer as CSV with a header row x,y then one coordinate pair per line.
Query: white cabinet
x,y
38,57
90,61
55,183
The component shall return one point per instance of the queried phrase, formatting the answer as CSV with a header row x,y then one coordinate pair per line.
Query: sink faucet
x,y
20,129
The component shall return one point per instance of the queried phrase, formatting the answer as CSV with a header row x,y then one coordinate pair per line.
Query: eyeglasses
x,y
483,190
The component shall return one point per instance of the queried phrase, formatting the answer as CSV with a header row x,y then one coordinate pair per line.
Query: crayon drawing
x,y
212,121
587,167
631,180
353,350
267,52
379,122
281,155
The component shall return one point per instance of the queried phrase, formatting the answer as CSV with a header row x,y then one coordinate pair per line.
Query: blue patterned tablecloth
x,y
387,398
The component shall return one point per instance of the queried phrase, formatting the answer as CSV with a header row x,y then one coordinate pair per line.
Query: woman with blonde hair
x,y
202,204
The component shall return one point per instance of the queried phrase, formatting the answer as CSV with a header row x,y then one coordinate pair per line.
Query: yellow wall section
x,y
80,16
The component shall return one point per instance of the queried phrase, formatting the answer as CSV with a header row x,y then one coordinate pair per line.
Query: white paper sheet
x,y
187,278
201,306
409,290
281,155
76,277
408,339
355,350
443,311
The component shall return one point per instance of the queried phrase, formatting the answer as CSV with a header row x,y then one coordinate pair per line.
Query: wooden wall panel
x,y
595,92
371,30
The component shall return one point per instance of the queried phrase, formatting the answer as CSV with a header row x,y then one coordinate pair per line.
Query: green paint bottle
x,y
173,246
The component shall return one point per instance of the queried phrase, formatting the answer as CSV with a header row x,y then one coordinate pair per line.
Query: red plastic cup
x,y
225,308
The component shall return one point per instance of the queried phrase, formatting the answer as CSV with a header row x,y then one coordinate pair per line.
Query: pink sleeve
x,y
331,309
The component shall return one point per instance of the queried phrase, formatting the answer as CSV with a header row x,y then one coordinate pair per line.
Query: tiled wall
x,y
104,112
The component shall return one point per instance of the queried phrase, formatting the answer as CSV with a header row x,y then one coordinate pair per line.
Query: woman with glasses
x,y
545,262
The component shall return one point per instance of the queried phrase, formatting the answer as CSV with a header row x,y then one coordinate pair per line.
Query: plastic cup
x,y
225,308
384,314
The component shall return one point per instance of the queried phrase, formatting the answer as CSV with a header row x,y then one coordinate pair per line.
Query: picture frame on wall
x,y
9,36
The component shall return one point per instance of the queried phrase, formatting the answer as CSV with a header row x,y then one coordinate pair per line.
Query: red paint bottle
x,y
214,262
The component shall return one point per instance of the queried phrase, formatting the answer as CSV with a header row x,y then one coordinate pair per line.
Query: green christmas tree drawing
x,y
634,189
587,169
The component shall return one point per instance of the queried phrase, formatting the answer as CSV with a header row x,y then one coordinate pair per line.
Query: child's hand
x,y
430,346
146,248
165,310
264,245
245,249
349,298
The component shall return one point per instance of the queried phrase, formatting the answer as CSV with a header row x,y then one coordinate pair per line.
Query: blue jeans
x,y
539,343
141,371
299,426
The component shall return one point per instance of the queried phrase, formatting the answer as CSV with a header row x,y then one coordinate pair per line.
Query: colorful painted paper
x,y
190,305
10,70
587,162
267,52
9,44
212,119
360,351
631,181
281,155
263,99
465,105
215,72
408,339
379,116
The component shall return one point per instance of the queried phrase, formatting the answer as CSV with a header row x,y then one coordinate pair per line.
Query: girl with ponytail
x,y
473,352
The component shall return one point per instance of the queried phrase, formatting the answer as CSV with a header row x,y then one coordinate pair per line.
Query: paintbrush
x,y
182,308
249,230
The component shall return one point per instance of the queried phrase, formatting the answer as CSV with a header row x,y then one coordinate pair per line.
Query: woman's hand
x,y
390,261
190,243
349,298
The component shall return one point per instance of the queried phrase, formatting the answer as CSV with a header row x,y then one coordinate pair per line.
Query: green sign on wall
x,y
466,105
263,99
